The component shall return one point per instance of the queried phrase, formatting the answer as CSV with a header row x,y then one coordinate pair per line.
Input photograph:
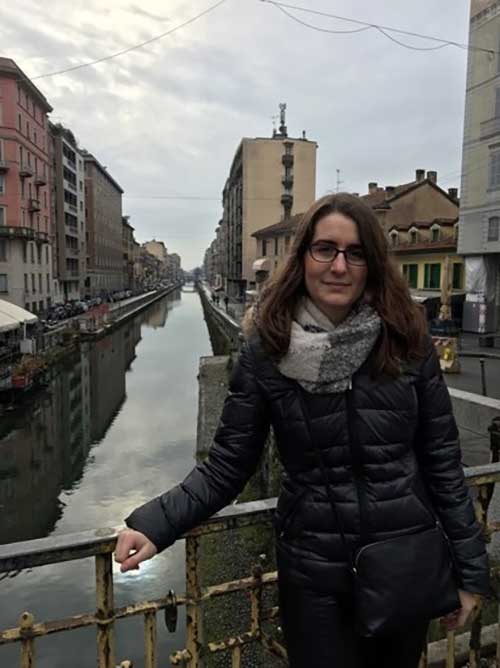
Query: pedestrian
x,y
226,302
338,360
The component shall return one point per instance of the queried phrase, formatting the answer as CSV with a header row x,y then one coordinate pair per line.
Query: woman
x,y
337,355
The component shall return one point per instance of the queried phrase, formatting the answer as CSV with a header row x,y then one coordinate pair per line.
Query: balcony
x,y
40,180
69,185
489,128
287,200
27,233
25,170
287,160
4,166
72,252
34,205
287,182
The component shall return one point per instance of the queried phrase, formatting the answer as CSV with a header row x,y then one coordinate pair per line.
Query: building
x,y
68,213
479,229
174,271
103,219
418,201
25,226
269,180
159,251
421,221
274,242
128,254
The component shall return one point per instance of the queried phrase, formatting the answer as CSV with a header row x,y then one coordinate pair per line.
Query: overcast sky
x,y
167,119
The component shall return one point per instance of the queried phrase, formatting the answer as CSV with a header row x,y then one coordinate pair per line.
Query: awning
x,y
262,264
12,316
422,296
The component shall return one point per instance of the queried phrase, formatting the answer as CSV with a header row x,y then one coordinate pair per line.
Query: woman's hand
x,y
132,547
459,617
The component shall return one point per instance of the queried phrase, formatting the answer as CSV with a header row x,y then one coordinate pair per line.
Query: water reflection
x,y
45,442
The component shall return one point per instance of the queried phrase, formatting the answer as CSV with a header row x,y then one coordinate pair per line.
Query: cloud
x,y
166,119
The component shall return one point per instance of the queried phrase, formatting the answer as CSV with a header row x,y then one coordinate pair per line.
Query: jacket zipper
x,y
357,460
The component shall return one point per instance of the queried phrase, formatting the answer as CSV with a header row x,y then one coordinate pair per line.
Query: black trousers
x,y
319,633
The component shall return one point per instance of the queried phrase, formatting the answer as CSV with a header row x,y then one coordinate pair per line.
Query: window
x,y
48,282
493,228
33,284
413,236
19,122
276,248
410,272
25,251
432,276
1,149
494,175
47,254
435,234
39,248
32,253
4,286
40,288
3,216
26,282
497,103
457,276
264,247
287,243
3,250
2,184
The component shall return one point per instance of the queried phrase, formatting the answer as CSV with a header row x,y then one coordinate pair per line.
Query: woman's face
x,y
336,285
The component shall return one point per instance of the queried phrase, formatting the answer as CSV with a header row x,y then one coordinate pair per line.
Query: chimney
x,y
390,190
432,176
419,174
303,134
372,187
453,193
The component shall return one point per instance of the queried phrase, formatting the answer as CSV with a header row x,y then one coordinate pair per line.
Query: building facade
x,y
269,180
68,213
128,254
103,218
479,229
25,225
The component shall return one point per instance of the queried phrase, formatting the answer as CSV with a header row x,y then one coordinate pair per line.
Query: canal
x,y
114,428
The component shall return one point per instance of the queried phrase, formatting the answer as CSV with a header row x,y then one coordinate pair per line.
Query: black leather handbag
x,y
398,581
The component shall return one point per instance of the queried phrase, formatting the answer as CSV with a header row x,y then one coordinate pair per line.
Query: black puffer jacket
x,y
388,444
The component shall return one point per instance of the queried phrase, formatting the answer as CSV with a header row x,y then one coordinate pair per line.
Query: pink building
x,y
25,225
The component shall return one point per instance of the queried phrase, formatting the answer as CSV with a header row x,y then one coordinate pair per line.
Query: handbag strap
x,y
324,472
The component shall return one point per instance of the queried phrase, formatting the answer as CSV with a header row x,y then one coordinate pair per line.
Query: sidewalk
x,y
469,379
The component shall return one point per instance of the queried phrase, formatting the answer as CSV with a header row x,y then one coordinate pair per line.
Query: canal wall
x,y
223,329
232,554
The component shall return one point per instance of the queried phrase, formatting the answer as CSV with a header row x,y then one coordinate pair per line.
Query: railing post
x,y
194,629
105,612
150,654
27,642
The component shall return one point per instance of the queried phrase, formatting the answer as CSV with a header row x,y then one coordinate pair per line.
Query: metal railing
x,y
100,545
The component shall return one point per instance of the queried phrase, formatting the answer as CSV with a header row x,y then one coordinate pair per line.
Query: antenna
x,y
339,181
283,131
274,120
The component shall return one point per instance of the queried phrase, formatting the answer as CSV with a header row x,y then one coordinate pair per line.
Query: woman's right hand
x,y
132,547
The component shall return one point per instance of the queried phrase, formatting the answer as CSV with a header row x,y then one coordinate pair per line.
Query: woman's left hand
x,y
459,617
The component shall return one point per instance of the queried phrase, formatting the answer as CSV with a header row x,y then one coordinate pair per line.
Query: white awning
x,y
12,316
262,264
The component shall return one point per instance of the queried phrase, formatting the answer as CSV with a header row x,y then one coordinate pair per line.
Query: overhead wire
x,y
383,29
134,47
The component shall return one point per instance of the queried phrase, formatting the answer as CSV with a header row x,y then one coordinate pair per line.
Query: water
x,y
115,428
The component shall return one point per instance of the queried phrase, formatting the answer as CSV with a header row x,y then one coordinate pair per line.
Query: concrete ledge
x,y
473,411
437,650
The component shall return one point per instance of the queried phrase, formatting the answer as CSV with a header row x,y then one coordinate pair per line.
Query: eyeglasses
x,y
323,251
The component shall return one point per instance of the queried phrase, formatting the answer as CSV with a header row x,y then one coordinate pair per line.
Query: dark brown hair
x,y
403,323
